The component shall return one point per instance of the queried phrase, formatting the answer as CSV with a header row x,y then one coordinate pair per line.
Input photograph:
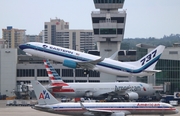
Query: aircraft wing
x,y
89,64
121,92
97,112
115,92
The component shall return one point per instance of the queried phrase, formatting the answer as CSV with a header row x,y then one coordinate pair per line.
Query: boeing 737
x,y
46,102
130,90
75,59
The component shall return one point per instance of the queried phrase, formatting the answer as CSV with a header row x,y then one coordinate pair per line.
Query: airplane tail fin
x,y
148,62
55,79
43,96
52,74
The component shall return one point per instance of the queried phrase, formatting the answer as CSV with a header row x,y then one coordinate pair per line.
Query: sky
x,y
145,18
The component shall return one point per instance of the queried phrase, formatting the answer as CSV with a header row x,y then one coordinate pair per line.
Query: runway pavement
x,y
28,111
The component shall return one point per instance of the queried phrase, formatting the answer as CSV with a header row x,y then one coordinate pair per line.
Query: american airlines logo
x,y
130,88
44,95
143,87
148,104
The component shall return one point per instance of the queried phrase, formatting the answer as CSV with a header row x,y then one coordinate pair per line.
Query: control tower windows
x,y
117,19
108,1
120,1
97,19
107,31
119,31
96,31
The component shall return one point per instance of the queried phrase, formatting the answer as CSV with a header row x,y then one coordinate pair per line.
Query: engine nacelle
x,y
70,64
28,54
120,113
88,94
132,95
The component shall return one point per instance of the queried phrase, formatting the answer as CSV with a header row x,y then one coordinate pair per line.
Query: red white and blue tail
x,y
55,79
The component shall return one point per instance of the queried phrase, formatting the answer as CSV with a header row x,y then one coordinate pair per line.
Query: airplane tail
x,y
148,62
43,96
55,79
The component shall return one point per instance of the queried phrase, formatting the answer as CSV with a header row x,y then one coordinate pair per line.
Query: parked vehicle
x,y
168,98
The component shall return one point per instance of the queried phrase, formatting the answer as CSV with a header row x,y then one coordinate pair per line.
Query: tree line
x,y
168,41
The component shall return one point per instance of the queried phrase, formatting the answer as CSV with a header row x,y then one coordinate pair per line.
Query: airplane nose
x,y
22,46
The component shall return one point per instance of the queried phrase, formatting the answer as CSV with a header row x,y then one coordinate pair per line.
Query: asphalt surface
x,y
28,111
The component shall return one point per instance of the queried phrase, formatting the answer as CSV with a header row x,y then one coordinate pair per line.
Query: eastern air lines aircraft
x,y
46,102
75,59
131,90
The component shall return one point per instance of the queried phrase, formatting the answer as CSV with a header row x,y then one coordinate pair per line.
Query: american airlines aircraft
x,y
46,102
75,59
132,90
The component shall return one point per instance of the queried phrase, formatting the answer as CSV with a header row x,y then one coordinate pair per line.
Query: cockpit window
x,y
28,44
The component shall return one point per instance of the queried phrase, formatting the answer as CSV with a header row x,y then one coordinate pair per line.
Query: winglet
x,y
82,106
114,55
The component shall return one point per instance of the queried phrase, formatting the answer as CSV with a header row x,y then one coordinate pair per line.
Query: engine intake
x,y
88,94
70,63
132,95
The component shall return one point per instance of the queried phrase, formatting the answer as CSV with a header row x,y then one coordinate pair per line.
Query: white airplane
x,y
46,102
130,90
75,59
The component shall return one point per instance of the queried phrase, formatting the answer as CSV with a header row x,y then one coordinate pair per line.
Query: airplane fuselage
x,y
97,89
47,102
108,65
147,108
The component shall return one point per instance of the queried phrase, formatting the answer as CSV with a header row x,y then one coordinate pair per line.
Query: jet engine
x,y
28,54
70,64
88,94
132,95
120,113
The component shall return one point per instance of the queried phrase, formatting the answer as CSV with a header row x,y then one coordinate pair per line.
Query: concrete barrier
x,y
21,102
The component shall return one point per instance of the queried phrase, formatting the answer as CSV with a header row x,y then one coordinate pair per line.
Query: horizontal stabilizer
x,y
152,71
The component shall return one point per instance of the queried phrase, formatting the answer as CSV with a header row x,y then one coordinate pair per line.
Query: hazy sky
x,y
145,18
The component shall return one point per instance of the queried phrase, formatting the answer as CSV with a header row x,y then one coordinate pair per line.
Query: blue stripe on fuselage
x,y
109,107
85,59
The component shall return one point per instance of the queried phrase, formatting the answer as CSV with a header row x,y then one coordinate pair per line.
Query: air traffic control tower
x,y
108,27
